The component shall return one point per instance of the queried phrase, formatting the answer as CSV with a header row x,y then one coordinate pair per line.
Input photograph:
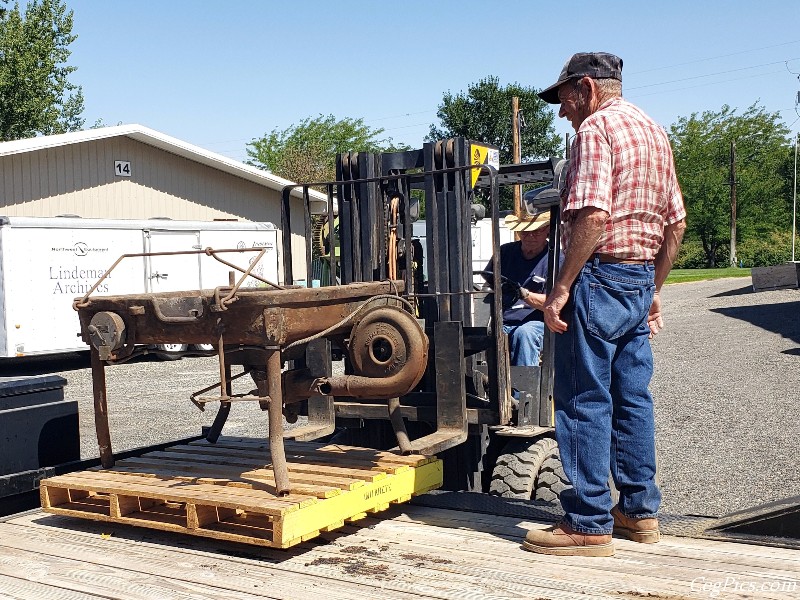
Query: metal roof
x,y
168,144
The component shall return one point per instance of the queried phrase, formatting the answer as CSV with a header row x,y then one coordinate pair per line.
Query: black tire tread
x,y
551,480
514,475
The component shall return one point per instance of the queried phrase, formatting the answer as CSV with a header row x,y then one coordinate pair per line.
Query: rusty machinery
x,y
262,328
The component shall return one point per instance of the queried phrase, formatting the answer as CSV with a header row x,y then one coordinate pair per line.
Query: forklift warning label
x,y
482,155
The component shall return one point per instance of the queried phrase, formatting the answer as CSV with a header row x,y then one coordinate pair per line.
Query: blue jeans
x,y
604,411
525,343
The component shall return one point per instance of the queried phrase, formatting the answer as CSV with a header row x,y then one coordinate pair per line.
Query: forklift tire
x,y
529,469
551,480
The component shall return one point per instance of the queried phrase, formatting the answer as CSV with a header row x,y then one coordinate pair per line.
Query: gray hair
x,y
609,87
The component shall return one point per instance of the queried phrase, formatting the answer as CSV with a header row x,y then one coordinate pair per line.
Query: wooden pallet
x,y
227,490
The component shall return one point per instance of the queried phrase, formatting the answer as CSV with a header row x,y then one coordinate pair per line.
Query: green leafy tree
x,y
701,144
306,152
483,114
36,96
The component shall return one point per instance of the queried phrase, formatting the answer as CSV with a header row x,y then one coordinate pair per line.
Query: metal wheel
x,y
202,347
171,351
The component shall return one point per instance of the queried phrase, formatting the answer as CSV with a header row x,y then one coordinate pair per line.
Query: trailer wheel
x,y
171,351
203,347
529,470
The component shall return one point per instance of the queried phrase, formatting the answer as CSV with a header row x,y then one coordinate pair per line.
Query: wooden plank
x,y
233,473
126,482
307,448
510,527
377,578
267,506
202,453
636,558
200,516
627,572
79,578
21,588
250,480
266,573
368,553
367,474
160,519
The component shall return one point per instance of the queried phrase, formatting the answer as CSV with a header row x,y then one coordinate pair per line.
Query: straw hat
x,y
527,222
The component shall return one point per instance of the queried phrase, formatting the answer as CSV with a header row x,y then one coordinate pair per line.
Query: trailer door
x,y
171,273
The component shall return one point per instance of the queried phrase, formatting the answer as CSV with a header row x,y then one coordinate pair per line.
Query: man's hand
x,y
654,320
553,305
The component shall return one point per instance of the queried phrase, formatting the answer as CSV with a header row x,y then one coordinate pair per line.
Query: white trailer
x,y
45,263
481,232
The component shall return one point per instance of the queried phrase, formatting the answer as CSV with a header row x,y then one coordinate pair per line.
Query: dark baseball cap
x,y
597,65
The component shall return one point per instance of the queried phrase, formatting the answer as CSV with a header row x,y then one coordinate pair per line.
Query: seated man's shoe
x,y
562,540
644,531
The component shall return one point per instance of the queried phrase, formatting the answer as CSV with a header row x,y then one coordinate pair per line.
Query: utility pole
x,y
515,151
794,190
733,204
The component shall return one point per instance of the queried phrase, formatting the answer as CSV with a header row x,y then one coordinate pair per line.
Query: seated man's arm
x,y
533,299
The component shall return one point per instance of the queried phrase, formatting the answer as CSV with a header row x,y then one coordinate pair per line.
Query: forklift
x,y
490,422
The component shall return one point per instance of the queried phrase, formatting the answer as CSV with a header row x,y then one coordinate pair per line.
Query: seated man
x,y
524,263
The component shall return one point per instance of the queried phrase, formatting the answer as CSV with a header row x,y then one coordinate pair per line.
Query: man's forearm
x,y
585,232
673,235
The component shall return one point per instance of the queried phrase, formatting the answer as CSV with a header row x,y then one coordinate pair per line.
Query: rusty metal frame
x,y
82,302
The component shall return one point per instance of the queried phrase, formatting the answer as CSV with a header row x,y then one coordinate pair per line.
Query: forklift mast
x,y
467,386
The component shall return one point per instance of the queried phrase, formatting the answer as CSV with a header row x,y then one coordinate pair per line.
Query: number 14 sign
x,y
122,168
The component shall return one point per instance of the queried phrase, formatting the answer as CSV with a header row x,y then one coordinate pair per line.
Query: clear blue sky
x,y
217,74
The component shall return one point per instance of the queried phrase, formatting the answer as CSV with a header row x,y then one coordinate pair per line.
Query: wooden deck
x,y
227,490
408,552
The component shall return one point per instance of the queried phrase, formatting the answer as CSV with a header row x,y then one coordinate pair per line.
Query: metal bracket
x,y
321,415
451,393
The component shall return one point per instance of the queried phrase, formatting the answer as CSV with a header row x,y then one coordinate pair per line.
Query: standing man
x,y
623,221
523,264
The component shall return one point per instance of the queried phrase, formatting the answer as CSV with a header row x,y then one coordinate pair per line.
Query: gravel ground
x,y
726,387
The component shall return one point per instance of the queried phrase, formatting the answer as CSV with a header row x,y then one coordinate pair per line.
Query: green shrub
x,y
773,249
692,256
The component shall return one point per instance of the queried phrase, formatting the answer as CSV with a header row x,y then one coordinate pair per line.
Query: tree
x,y
36,96
483,114
701,144
306,152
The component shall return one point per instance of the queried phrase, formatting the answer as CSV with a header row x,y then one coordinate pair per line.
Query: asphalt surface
x,y
726,392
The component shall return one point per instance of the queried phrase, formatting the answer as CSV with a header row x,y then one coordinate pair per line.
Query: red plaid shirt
x,y
621,162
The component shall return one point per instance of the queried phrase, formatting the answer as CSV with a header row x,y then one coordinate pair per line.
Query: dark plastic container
x,y
38,428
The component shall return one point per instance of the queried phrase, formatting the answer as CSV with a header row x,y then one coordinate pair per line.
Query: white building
x,y
132,172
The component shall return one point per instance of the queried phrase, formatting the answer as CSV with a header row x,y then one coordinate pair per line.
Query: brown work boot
x,y
562,540
644,531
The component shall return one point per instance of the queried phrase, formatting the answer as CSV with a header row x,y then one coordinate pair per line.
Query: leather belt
x,y
610,258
